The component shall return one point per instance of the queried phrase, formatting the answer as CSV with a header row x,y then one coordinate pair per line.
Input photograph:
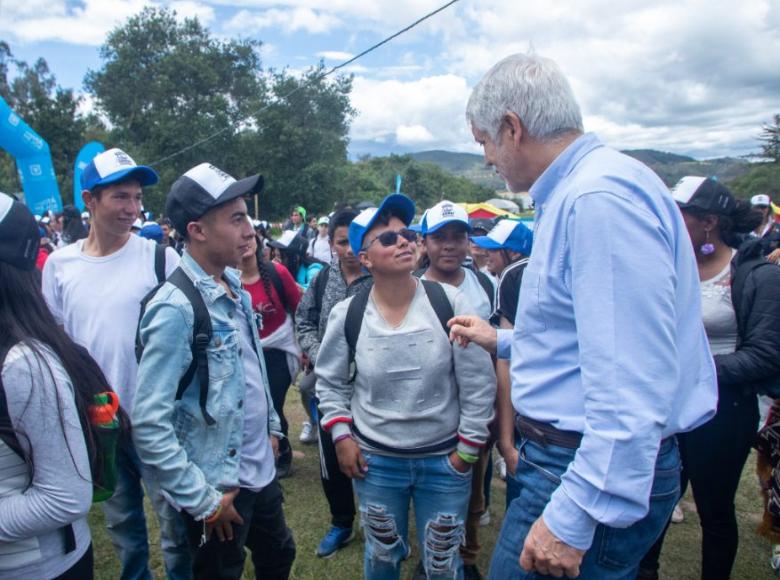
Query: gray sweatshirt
x,y
43,412
413,388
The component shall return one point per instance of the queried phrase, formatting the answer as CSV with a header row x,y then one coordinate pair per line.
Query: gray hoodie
x,y
413,388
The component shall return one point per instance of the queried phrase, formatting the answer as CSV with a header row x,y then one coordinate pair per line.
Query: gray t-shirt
x,y
257,468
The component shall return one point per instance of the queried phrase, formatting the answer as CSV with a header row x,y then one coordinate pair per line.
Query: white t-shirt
x,y
720,320
474,293
257,468
98,300
319,248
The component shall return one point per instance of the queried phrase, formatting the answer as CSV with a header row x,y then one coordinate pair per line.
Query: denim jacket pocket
x,y
222,353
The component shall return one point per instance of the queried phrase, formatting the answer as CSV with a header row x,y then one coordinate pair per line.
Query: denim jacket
x,y
194,461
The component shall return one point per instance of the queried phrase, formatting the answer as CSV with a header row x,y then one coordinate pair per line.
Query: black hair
x,y
744,218
25,319
73,228
262,268
340,219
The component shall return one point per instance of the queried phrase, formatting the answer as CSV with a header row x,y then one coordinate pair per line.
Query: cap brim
x,y
441,224
487,243
399,204
145,175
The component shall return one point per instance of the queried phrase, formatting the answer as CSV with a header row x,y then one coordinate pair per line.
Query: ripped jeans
x,y
441,497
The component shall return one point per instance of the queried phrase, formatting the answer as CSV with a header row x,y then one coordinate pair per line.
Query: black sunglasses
x,y
390,238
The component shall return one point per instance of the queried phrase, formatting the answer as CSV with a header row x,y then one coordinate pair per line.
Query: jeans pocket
x,y
448,464
523,458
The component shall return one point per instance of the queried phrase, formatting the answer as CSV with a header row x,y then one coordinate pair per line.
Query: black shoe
x,y
419,572
471,572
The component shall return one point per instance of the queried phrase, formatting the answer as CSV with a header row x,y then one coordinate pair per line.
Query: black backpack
x,y
357,308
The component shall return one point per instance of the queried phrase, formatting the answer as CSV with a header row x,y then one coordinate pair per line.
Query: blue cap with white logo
x,y
507,235
397,203
115,165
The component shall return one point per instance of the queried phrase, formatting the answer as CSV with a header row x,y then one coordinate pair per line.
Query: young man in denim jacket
x,y
215,461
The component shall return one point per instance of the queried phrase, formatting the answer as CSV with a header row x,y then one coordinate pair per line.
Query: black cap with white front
x,y
703,193
203,188
19,236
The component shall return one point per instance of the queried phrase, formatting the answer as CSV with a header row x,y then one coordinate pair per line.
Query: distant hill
x,y
670,167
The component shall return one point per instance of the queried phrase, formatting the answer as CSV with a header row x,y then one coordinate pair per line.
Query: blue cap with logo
x,y
397,203
507,235
115,165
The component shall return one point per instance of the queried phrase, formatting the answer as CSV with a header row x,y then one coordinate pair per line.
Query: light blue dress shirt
x,y
608,339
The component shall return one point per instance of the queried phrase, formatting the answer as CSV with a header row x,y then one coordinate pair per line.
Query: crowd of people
x,y
601,362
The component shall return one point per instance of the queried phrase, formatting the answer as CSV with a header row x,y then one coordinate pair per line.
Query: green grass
x,y
307,515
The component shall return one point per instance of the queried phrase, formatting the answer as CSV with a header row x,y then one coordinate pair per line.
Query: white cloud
x,y
335,55
289,20
413,135
190,9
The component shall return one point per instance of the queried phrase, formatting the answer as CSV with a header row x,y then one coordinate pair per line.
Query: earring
x,y
707,248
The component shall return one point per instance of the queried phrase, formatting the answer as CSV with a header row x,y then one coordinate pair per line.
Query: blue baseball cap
x,y
115,165
397,203
152,231
443,213
507,235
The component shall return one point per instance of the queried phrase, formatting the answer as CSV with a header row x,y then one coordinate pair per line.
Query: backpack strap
x,y
320,283
276,280
201,337
487,286
441,304
352,324
159,262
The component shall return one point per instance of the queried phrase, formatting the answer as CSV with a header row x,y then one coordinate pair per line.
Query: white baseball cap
x,y
760,199
441,214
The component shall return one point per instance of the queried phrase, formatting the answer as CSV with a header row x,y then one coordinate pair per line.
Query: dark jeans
x,y
279,380
336,485
264,532
82,569
615,552
713,457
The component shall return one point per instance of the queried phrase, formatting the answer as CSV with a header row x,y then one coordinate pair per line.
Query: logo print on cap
x,y
122,158
447,210
221,174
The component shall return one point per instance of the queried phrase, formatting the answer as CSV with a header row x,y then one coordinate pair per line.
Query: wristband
x,y
213,517
466,457
342,437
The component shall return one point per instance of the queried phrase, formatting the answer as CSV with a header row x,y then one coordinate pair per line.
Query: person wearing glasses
x,y
408,413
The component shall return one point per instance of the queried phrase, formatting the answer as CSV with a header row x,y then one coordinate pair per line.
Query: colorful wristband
x,y
466,457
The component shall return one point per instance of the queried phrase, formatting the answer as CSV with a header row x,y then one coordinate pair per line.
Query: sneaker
x,y
677,515
334,540
484,519
471,572
501,467
775,560
308,433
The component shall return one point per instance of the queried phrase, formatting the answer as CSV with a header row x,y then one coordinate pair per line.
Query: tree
x,y
165,85
51,111
770,140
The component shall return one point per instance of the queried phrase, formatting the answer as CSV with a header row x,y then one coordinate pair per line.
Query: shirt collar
x,y
207,286
567,159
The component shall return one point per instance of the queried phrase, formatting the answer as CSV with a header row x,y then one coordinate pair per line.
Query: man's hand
x,y
774,256
275,446
466,329
351,460
546,554
458,463
228,515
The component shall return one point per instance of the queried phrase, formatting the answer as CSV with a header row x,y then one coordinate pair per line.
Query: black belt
x,y
545,434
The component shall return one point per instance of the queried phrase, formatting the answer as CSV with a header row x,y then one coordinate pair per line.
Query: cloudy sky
x,y
694,77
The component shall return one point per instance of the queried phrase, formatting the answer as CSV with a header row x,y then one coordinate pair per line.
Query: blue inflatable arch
x,y
33,161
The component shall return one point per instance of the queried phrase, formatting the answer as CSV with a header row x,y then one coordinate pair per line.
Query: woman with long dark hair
x,y
740,311
73,228
48,444
275,296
